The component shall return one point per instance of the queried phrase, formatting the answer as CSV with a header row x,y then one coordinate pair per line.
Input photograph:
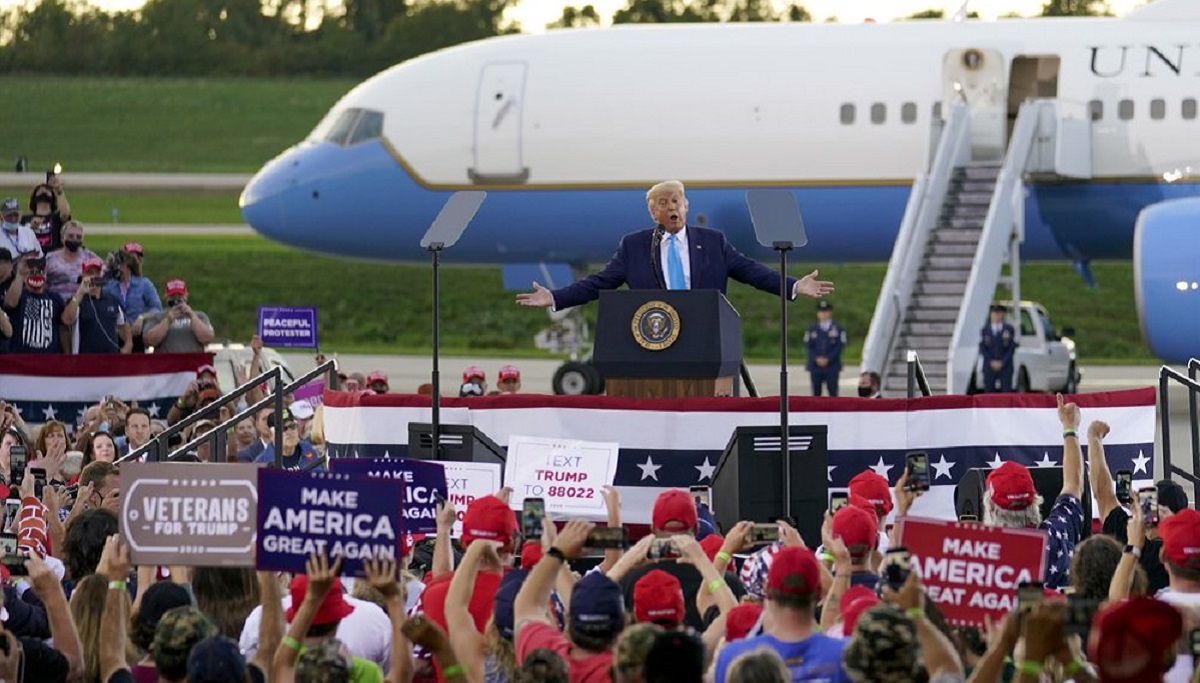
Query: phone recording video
x,y
39,481
12,558
895,569
1194,638
917,467
662,549
18,457
1124,486
1029,595
533,511
1148,499
701,495
837,501
763,534
608,538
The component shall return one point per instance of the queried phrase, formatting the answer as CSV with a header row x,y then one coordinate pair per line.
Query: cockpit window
x,y
355,126
370,126
340,132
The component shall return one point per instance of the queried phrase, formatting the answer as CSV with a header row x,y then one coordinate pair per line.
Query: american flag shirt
x,y
1064,526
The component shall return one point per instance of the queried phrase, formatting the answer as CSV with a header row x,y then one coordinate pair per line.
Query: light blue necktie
x,y
674,265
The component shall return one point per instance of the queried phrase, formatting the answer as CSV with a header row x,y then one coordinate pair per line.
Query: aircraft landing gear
x,y
577,378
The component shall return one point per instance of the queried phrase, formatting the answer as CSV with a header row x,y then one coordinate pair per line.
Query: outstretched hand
x,y
539,297
809,285
1068,413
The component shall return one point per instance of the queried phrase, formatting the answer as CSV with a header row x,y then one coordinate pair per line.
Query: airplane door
x,y
979,77
498,108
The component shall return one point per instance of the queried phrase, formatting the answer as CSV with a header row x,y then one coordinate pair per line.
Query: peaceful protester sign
x,y
201,515
349,516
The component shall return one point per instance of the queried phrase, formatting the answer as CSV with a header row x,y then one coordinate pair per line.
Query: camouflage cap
x,y
178,632
324,663
883,647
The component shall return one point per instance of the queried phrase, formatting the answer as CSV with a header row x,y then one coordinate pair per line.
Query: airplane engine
x,y
1166,272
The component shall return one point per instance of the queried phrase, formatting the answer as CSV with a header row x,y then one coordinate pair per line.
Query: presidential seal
x,y
656,325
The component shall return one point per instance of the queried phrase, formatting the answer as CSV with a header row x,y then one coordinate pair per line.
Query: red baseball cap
x,y
858,529
674,507
92,263
740,619
712,545
134,248
531,554
474,371
874,488
794,571
1181,538
658,599
409,541
509,372
489,518
1133,641
855,601
206,368
176,287
1010,486
377,376
333,608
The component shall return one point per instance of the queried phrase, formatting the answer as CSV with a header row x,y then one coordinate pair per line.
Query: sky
x,y
533,15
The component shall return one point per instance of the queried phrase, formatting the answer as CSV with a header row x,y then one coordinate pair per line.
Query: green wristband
x,y
453,671
1030,667
116,585
291,642
1072,667
914,612
724,556
1069,433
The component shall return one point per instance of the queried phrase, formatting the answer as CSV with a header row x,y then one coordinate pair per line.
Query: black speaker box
x,y
459,443
968,495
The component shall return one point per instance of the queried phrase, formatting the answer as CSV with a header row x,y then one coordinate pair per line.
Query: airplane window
x,y
1125,110
1158,109
370,127
343,126
908,112
878,112
1189,108
847,114
1096,107
937,111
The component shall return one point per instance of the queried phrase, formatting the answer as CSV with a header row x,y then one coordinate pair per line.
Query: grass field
x,y
368,307
158,125
95,207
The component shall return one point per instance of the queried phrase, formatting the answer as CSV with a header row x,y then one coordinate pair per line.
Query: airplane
x,y
566,130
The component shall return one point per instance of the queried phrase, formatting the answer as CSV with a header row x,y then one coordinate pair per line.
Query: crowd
x,y
540,600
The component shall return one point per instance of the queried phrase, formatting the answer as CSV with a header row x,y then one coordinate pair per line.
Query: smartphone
x,y
1194,638
12,508
438,498
1124,486
837,501
702,495
1029,595
39,481
1148,499
532,512
896,568
662,549
17,459
608,538
12,558
917,466
762,534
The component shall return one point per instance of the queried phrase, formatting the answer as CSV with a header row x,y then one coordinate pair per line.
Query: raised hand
x,y
1098,429
809,285
321,575
539,297
114,560
1068,414
573,538
381,574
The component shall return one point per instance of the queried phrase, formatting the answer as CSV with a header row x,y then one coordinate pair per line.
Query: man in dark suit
x,y
997,343
673,255
825,340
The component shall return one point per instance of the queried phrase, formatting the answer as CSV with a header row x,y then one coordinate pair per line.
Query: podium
x,y
459,443
656,343
747,483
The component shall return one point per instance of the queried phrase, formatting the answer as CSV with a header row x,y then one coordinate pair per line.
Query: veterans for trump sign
x,y
566,473
423,480
348,516
201,515
971,570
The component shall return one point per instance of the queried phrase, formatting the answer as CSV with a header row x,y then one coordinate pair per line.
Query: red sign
x,y
971,570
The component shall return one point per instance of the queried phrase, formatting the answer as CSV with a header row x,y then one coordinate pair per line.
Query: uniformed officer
x,y
997,342
825,340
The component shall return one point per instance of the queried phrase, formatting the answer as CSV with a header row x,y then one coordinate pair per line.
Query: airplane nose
x,y
262,200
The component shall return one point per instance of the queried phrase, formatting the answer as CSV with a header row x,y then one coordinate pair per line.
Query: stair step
x,y
931,315
976,212
957,235
927,328
954,289
928,301
949,262
972,185
966,197
952,249
947,275
982,172
962,222
924,343
931,369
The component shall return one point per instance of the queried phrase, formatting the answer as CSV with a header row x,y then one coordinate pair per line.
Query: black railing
x,y
916,376
1165,376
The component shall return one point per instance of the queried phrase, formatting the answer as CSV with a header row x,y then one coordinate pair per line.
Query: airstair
x,y
960,238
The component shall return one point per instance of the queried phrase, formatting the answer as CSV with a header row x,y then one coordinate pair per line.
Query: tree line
x,y
315,37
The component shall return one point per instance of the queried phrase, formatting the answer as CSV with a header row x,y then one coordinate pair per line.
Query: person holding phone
x,y
180,329
16,237
48,205
101,326
38,315
64,267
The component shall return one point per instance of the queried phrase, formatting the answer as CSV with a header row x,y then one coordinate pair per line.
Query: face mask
x,y
9,227
865,392
73,245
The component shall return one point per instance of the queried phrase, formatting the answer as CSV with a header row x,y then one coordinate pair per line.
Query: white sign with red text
x,y
566,473
466,481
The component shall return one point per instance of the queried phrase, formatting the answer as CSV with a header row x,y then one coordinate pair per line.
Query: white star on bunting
x,y
1139,463
1045,461
882,468
943,467
649,469
706,470
995,463
153,409
49,412
829,474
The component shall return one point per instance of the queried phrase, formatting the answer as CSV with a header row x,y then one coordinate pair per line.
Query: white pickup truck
x,y
1045,360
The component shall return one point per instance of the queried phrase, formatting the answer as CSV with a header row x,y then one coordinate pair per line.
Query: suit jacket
x,y
998,347
713,261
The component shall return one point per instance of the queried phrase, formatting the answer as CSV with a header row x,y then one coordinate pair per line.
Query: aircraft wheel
x,y
574,379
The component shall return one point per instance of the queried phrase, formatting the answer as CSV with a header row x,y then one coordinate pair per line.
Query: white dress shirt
x,y
664,249
367,631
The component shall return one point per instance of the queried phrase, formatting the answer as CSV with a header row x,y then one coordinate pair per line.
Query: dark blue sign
x,y
423,480
284,326
352,517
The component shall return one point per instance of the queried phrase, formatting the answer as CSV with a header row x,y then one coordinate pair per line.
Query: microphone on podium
x,y
655,243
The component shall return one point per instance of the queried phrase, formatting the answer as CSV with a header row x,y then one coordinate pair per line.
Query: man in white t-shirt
x,y
366,630
1180,534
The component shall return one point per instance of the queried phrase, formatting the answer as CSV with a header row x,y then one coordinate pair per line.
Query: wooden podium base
x,y
668,387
